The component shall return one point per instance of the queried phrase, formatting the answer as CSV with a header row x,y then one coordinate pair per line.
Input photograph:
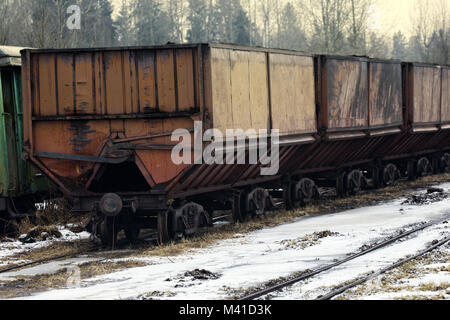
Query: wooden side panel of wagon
x,y
445,93
292,93
423,96
239,89
385,94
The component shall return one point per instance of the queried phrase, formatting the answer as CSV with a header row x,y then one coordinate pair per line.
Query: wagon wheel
x,y
445,162
423,167
287,195
340,190
163,228
238,207
354,179
108,230
256,202
304,191
390,174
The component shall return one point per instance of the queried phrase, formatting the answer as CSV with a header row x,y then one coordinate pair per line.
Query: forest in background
x,y
315,26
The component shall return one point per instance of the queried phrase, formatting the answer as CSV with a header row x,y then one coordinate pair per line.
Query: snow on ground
x,y
8,249
251,259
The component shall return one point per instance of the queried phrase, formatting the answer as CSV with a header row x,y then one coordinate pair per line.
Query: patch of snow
x,y
9,249
259,256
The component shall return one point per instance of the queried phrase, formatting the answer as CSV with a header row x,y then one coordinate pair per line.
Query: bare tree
x,y
431,27
266,7
357,28
328,20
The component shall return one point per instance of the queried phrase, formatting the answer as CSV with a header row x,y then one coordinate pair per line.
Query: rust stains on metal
x,y
80,131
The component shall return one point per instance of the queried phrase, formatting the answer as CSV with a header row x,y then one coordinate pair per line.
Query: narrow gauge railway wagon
x,y
20,184
98,122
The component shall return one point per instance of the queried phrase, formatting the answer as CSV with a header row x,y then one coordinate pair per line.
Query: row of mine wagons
x,y
236,87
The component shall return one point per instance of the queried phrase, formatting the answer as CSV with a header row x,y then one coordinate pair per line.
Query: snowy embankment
x,y
13,248
251,259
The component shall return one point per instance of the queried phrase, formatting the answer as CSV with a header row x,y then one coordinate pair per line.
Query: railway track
x,y
309,274
370,276
47,260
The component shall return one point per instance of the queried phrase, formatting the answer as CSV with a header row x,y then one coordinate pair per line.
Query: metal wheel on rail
x,y
257,202
340,184
164,235
239,207
287,195
107,231
423,167
444,164
354,181
390,174
303,192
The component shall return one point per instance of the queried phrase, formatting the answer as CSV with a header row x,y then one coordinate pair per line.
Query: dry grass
x,y
54,212
55,250
26,285
324,206
397,280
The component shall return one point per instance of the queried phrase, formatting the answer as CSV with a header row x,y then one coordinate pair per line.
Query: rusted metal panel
x,y
292,93
426,94
347,93
445,92
385,94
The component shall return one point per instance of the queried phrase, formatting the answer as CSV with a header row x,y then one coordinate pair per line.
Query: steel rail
x,y
46,260
310,274
384,270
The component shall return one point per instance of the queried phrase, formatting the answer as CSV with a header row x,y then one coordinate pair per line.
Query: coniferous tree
x,y
151,23
399,46
197,19
291,36
241,23
124,25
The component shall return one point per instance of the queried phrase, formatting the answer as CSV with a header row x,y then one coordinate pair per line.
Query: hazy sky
x,y
388,16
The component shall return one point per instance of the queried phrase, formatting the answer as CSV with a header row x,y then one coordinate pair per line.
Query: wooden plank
x,y
65,84
293,101
128,82
221,89
84,84
99,87
240,90
185,79
445,103
427,100
259,91
385,97
47,85
347,94
114,83
146,81
165,78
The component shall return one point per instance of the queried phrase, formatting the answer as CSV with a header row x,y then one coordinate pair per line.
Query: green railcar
x,y
21,185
